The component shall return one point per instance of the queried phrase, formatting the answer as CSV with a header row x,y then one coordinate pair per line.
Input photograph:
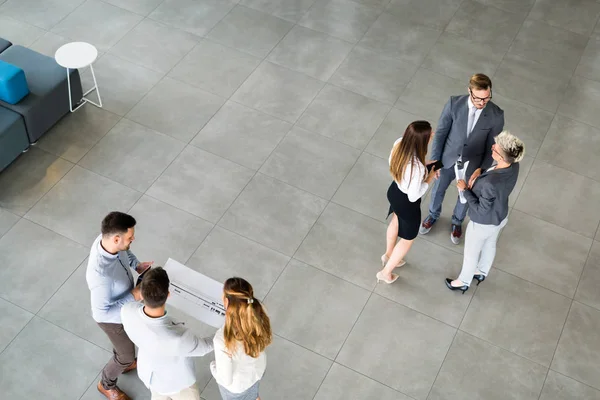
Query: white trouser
x,y
191,393
480,249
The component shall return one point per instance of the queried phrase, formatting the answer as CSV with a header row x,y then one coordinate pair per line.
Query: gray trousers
x,y
438,191
480,249
123,354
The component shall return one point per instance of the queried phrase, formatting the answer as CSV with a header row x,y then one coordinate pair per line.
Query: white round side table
x,y
77,55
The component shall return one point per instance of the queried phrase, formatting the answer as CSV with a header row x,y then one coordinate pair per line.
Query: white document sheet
x,y
460,174
195,294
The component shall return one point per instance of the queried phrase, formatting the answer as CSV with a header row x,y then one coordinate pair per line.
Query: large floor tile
x,y
374,75
574,209
364,189
280,222
18,32
20,279
26,180
292,10
132,154
568,142
396,37
201,183
48,43
579,100
393,127
524,167
313,53
433,13
579,347
344,116
254,262
457,57
342,383
546,44
12,320
282,377
77,204
142,7
542,253
343,19
313,308
345,244
70,309
517,316
560,387
421,285
122,84
250,30
194,16
574,15
515,6
278,91
428,92
546,84
311,162
474,369
176,109
29,366
529,123
215,68
169,45
486,25
98,23
164,231
587,291
42,13
387,332
7,220
589,65
66,140
254,135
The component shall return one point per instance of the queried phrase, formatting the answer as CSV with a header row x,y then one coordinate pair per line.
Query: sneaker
x,y
427,225
456,234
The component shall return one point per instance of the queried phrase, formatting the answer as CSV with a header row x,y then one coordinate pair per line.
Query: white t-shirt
x,y
412,183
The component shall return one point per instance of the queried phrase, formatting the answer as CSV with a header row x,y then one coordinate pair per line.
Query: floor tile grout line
x,y
17,335
134,12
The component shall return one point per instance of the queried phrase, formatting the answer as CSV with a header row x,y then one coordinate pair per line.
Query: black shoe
x,y
479,278
462,288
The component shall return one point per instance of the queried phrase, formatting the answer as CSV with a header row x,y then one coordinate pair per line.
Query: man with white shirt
x,y
166,348
110,280
465,132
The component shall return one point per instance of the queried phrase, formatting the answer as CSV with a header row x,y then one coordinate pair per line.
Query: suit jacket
x,y
450,140
488,199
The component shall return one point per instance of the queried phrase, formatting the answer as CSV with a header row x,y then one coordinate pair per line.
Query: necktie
x,y
471,121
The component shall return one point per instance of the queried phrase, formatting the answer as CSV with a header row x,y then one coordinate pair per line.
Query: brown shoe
x,y
131,367
113,394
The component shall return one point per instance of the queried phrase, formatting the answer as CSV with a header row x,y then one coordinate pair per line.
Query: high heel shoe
x,y
479,278
380,277
384,261
462,288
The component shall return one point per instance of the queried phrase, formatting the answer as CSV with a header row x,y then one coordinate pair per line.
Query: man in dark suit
x,y
465,132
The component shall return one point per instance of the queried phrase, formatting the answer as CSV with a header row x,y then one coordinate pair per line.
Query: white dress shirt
x,y
237,372
166,348
412,183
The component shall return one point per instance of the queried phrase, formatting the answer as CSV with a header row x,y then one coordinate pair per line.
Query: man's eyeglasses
x,y
480,99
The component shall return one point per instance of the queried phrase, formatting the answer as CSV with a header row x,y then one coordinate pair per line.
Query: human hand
x,y
137,293
461,185
431,175
143,266
474,176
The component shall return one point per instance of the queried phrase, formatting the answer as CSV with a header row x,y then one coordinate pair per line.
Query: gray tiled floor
x,y
250,137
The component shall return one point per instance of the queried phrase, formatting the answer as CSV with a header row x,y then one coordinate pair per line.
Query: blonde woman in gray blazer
x,y
488,210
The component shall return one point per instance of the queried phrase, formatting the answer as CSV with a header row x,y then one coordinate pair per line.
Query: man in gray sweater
x,y
110,280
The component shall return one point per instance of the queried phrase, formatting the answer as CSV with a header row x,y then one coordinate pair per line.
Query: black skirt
x,y
408,212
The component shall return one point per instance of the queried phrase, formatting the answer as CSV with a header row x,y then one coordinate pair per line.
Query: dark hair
x,y
412,146
117,223
155,287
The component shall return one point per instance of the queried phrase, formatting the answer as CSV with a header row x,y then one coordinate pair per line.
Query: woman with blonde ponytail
x,y
240,360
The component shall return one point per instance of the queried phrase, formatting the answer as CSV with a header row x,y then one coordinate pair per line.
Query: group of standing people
x,y
134,314
471,146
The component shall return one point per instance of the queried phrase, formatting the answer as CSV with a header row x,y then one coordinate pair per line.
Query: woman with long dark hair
x,y
411,181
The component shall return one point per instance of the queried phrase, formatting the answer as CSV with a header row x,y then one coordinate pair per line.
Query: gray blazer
x,y
488,199
450,140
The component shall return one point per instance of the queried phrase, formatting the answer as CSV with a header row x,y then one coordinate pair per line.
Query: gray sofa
x,y
44,106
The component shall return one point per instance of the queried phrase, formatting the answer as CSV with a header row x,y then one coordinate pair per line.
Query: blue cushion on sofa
x,y
13,84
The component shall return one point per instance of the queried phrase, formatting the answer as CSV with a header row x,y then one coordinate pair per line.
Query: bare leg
x,y
400,250
391,236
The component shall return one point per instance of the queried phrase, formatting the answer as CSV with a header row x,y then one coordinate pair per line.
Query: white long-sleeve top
x,y
412,183
237,372
166,350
